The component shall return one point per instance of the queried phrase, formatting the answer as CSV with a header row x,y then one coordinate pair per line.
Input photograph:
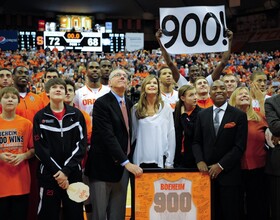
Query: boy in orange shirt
x,y
16,147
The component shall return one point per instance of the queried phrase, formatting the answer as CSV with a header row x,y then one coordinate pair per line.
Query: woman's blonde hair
x,y
141,107
251,114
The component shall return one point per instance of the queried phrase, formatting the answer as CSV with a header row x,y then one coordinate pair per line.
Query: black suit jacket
x,y
272,113
227,147
109,140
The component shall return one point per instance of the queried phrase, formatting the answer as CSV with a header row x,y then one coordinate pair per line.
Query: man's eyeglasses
x,y
119,75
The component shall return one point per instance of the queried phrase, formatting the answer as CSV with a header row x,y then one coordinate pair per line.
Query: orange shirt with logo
x,y
29,106
45,98
15,137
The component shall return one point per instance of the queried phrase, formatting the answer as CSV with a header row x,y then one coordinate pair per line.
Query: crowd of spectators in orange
x,y
139,64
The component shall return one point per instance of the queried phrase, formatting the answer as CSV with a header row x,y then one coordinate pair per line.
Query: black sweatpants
x,y
51,200
14,207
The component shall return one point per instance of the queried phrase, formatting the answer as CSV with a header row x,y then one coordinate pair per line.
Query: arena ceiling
x,y
146,9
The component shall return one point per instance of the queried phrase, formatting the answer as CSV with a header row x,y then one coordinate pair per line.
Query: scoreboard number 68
x,y
93,42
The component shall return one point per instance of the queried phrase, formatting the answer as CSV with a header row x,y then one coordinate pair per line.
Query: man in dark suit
x,y
219,143
108,164
272,113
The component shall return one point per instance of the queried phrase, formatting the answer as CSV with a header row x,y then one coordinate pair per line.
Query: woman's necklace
x,y
150,111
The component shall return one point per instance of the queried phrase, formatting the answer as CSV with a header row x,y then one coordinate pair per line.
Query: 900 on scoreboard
x,y
78,41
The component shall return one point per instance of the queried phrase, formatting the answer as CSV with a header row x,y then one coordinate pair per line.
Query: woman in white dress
x,y
153,128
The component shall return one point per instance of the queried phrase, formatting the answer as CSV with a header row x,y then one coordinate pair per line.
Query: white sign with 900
x,y
196,29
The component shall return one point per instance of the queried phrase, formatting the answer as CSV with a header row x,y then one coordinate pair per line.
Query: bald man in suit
x,y
219,151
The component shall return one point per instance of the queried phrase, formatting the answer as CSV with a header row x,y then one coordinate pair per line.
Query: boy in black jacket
x,y
60,141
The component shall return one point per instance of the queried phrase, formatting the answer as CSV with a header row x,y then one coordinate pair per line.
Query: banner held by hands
x,y
197,29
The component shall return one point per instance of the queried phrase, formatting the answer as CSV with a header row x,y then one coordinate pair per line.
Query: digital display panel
x,y
113,42
75,22
27,40
78,41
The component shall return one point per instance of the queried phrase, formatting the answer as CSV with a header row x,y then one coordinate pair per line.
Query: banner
x,y
198,29
172,194
8,40
134,41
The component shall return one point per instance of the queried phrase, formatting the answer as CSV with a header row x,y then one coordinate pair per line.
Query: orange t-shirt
x,y
37,75
45,98
205,103
16,137
89,132
29,106
88,125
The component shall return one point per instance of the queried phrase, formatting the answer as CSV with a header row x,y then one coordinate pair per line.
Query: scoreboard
x,y
113,42
78,41
27,39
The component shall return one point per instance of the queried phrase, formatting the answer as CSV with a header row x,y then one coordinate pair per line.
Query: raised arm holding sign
x,y
193,74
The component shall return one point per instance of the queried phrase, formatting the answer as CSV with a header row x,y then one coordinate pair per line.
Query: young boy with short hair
x,y
60,140
16,147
